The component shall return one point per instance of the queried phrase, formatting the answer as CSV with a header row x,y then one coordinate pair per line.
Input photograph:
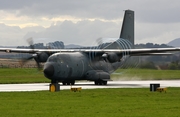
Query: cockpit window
x,y
55,58
59,58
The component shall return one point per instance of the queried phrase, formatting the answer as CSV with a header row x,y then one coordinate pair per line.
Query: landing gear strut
x,y
100,82
54,86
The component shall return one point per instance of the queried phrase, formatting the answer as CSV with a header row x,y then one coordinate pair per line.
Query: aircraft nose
x,y
48,70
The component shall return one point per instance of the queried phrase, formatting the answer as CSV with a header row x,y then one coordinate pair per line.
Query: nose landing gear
x,y
54,86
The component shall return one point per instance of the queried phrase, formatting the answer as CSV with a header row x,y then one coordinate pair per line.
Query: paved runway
x,y
89,85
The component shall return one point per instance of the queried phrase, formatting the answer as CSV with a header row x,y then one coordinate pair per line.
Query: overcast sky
x,y
82,22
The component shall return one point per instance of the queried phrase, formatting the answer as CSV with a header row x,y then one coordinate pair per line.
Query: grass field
x,y
121,102
146,74
91,103
31,75
21,75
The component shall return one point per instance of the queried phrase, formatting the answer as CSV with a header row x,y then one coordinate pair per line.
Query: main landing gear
x,y
100,82
71,82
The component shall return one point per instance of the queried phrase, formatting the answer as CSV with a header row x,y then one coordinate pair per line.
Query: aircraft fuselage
x,y
77,66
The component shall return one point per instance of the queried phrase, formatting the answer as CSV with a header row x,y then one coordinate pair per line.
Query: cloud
x,y
13,35
147,11
156,33
83,32
78,8
82,22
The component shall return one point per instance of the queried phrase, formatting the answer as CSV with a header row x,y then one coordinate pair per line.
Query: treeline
x,y
50,45
170,62
151,45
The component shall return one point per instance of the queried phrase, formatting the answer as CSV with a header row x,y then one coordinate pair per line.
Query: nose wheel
x,y
54,86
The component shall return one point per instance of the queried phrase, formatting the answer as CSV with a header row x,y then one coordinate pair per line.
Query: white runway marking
x,y
89,85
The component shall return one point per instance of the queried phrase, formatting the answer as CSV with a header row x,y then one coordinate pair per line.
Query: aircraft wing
x,y
152,51
131,52
153,54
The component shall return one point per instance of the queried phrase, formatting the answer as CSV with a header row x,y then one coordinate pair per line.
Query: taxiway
x,y
89,85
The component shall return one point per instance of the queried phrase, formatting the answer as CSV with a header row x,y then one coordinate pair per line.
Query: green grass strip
x,y
129,102
32,75
21,75
145,74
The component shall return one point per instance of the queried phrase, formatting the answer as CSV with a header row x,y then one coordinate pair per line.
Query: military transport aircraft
x,y
94,64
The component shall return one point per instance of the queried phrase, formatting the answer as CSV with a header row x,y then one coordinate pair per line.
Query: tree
x,y
148,65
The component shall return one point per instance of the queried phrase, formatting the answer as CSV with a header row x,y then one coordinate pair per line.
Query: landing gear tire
x,y
54,86
100,82
73,82
68,82
104,82
64,83
96,82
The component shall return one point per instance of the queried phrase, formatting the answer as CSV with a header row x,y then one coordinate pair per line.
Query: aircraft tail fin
x,y
126,39
127,30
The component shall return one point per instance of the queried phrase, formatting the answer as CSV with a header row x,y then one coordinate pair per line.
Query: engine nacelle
x,y
95,75
111,57
42,56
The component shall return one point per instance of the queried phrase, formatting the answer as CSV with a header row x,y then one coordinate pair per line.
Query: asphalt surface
x,y
89,85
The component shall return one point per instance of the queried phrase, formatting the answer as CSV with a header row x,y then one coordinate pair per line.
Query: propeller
x,y
38,57
111,60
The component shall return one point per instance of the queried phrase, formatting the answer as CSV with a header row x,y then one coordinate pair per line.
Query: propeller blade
x,y
23,61
33,56
38,63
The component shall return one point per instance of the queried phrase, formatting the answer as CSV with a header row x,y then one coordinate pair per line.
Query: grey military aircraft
x,y
94,64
